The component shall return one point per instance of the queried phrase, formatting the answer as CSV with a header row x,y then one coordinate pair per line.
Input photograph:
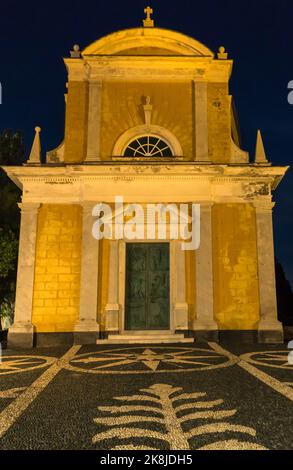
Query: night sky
x,y
35,35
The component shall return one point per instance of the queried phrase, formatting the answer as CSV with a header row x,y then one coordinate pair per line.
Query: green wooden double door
x,y
147,296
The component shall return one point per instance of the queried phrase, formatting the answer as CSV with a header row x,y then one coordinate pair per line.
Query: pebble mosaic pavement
x,y
179,397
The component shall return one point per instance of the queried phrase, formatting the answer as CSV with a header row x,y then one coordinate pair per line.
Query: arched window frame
x,y
141,131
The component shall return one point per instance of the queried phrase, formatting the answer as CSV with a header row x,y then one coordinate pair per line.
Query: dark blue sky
x,y
35,35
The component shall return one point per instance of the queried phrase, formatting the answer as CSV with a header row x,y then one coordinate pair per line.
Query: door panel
x,y
158,277
147,304
136,286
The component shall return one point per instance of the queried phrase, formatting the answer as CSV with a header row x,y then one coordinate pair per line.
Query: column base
x,y
206,331
288,333
86,333
21,335
270,332
238,336
181,316
112,317
53,340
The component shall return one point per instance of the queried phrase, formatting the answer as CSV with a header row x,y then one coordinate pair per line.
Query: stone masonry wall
x,y
57,269
236,295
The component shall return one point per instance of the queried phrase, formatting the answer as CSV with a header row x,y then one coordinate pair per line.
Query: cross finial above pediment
x,y
148,22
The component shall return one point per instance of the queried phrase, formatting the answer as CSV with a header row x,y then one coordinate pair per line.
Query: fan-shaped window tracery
x,y
148,146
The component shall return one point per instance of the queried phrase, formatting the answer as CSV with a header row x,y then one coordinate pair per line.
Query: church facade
x,y
149,119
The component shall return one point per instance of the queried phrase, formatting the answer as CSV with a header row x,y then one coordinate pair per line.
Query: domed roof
x,y
147,41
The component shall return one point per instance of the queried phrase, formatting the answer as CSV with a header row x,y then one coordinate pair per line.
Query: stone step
x,y
150,339
145,333
146,337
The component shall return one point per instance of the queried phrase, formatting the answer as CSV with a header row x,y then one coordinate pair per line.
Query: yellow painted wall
x,y
76,122
57,269
236,296
219,123
122,109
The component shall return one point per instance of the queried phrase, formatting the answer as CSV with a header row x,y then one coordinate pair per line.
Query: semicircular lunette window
x,y
148,146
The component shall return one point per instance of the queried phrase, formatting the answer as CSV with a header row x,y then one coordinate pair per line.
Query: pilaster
x,y
112,308
180,304
269,329
21,332
201,153
94,122
87,328
205,325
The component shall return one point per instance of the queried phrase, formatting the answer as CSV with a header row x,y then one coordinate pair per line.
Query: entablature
x,y
148,68
178,182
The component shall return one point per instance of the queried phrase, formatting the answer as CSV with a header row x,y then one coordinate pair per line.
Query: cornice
x,y
148,68
111,170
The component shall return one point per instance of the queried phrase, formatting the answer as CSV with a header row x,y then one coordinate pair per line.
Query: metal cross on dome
x,y
148,22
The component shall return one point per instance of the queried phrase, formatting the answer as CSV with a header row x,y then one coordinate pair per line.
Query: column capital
x,y
95,83
263,205
87,206
206,205
28,206
202,80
